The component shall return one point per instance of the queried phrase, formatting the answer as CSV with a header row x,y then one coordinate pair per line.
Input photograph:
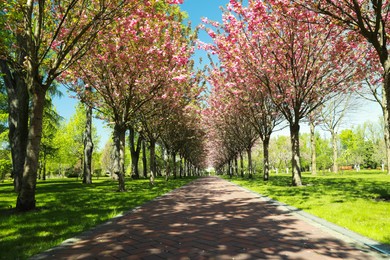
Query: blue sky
x,y
197,9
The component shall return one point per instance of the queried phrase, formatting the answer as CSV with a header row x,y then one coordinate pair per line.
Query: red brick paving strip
x,y
208,219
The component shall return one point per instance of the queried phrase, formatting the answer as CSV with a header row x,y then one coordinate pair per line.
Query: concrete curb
x,y
382,248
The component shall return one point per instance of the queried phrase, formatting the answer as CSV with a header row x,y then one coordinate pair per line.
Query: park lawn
x,y
357,201
66,208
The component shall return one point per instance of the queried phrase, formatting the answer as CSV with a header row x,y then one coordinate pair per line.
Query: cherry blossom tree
x,y
43,39
134,61
296,56
368,22
249,93
230,116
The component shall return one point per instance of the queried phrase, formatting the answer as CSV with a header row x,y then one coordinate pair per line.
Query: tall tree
x,y
298,74
51,124
11,61
132,61
135,140
88,147
48,36
332,115
70,140
367,22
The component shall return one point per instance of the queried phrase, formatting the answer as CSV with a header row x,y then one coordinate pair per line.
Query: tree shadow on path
x,y
207,219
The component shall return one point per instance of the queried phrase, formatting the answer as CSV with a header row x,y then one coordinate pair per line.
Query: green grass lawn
x,y
356,201
66,208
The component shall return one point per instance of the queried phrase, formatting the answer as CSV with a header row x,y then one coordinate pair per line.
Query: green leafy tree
x,y
352,144
305,147
50,126
70,141
324,153
107,159
5,154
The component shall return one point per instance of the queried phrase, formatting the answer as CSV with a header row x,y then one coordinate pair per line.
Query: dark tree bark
x,y
295,160
250,165
181,167
235,165
88,148
135,150
152,160
167,166
144,158
241,165
26,197
119,155
174,170
266,157
18,106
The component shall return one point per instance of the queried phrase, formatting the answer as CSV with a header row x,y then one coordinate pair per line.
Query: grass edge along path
x,y
358,202
67,208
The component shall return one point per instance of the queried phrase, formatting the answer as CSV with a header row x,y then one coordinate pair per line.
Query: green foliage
x,y
305,151
107,158
336,198
50,125
67,208
280,152
69,142
3,113
5,167
361,145
324,153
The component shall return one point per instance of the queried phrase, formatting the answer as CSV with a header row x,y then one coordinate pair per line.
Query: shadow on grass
x,y
66,208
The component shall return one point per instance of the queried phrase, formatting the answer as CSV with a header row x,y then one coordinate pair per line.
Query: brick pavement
x,y
208,219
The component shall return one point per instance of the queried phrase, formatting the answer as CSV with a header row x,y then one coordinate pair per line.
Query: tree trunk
x,y
266,157
386,130
18,106
250,167
313,149
181,167
295,160
144,158
335,151
167,166
174,170
26,197
119,155
236,165
152,160
229,170
188,172
135,151
242,165
88,148
386,87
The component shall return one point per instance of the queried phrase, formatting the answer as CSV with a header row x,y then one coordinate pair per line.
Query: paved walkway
x,y
208,219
